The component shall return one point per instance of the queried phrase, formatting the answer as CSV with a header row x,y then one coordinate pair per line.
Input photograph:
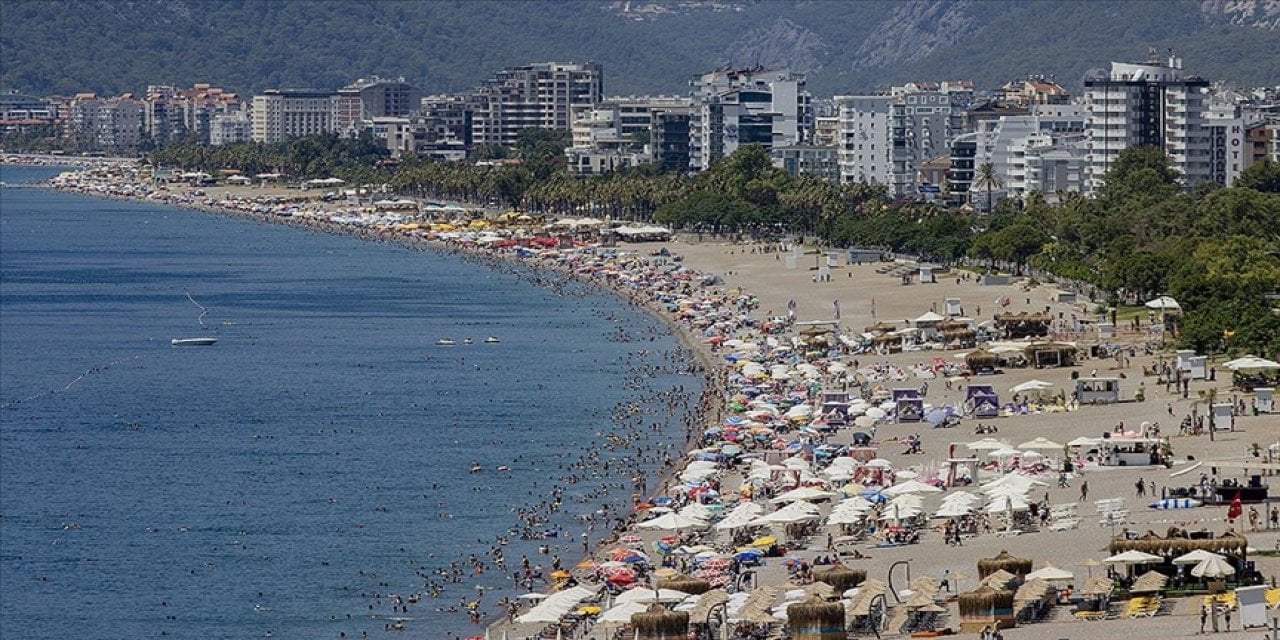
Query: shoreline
x,y
760,270
710,402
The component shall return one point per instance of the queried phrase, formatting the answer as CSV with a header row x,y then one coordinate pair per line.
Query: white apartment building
x,y
280,114
1042,151
742,107
885,138
865,140
1152,103
600,143
544,95
230,127
107,123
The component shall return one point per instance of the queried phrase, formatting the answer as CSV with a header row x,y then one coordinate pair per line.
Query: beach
x,y
757,285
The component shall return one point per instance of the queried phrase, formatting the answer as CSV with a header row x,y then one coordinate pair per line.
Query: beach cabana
x,y
982,361
985,607
816,619
1004,561
1051,354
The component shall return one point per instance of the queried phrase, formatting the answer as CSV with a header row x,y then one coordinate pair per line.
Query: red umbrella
x,y
620,575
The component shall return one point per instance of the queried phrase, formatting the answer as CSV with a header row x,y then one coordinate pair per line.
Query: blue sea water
x,y
316,456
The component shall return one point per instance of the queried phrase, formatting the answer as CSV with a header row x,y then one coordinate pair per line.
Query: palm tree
x,y
987,178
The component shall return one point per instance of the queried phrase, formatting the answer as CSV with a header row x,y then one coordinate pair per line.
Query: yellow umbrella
x,y
560,575
764,541
589,610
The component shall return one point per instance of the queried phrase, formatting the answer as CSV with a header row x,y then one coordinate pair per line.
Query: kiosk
x,y
1128,452
953,307
1263,400
1098,390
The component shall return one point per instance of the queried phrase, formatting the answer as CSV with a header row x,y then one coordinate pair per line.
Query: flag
x,y
1236,508
836,305
791,309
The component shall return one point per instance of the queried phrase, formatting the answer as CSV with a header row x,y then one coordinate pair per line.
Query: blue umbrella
x,y
874,496
749,554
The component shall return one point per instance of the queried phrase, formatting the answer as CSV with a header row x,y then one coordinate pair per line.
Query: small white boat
x,y
193,342
492,340
468,341
445,342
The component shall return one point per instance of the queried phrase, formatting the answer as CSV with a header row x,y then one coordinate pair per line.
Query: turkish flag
x,y
1235,509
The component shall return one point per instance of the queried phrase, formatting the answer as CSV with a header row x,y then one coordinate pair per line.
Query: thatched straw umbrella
x,y
841,577
660,624
1228,543
1000,579
688,584
1004,561
1149,582
981,358
708,601
816,619
985,606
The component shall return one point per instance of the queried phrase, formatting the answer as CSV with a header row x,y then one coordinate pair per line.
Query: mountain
x,y
109,46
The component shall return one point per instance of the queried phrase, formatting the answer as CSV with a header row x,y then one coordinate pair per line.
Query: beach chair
x,y
1089,616
1065,525
1273,598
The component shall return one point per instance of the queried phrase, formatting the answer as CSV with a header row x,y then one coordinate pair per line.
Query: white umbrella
x,y
1004,453
646,595
864,422
879,463
910,487
802,493
1041,443
1213,568
952,510
673,521
1164,303
1251,362
1051,573
1083,441
533,596
1195,557
1031,385
876,413
1132,556
621,613
986,444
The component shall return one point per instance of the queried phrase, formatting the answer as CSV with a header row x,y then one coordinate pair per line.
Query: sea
x,y
285,481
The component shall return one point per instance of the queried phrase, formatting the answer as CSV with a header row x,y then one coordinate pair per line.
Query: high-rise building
x,y
106,123
171,113
1224,126
748,106
373,97
1041,151
885,138
1151,103
229,127
19,112
280,114
669,138
617,133
543,95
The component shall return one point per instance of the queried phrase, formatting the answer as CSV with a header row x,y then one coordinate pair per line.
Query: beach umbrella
x,y
1132,556
647,595
910,487
621,613
1031,385
1051,573
879,463
952,510
1216,567
533,596
1251,363
986,444
1195,557
1163,303
802,494
937,416
1004,453
875,413
864,422
1042,443
673,522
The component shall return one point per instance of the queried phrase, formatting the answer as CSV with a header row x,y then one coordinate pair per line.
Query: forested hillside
x,y
49,46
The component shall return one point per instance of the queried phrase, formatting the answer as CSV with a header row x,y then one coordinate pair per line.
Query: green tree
x,y
986,177
1263,175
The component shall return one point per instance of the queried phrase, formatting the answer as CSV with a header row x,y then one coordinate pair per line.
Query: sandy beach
x,y
866,297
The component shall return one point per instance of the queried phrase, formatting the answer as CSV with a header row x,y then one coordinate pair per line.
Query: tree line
x,y
1216,250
